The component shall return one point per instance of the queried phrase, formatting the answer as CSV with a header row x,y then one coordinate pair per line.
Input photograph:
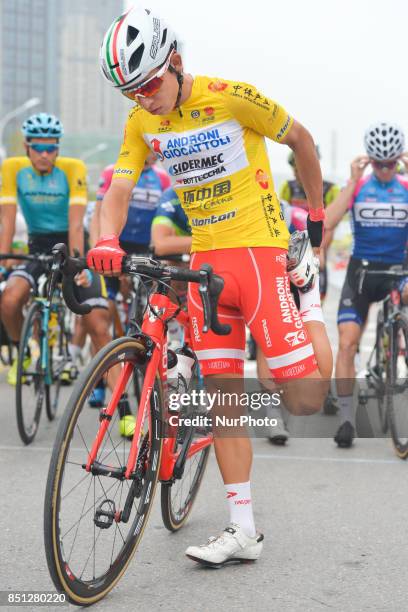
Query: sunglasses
x,y
152,85
44,147
382,164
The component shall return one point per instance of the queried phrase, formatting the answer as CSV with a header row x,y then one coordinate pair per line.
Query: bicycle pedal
x,y
104,518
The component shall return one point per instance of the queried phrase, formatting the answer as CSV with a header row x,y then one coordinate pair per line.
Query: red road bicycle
x,y
100,486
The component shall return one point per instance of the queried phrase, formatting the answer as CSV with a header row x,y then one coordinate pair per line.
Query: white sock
x,y
310,305
346,408
240,506
74,351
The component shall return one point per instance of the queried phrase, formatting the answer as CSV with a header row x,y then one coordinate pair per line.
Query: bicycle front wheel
x,y
397,387
380,371
30,382
94,520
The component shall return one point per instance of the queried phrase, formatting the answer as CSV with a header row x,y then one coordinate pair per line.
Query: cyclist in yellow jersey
x,y
209,134
52,194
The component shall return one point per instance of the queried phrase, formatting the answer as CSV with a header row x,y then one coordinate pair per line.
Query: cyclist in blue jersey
x,y
171,233
51,192
378,205
135,236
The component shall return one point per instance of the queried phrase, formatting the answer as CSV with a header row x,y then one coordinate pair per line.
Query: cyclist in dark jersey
x,y
378,205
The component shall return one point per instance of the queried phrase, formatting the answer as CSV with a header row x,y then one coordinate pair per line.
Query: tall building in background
x,y
50,49
29,54
87,103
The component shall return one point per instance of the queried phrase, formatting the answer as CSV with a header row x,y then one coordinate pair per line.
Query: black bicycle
x,y
387,366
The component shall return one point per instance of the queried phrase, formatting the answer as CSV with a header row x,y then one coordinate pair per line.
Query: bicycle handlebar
x,y
210,284
181,257
21,257
363,271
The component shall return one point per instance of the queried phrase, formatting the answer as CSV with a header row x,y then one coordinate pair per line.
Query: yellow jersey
x,y
44,199
216,156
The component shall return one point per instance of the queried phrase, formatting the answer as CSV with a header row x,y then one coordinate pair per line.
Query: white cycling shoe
x,y
233,545
303,266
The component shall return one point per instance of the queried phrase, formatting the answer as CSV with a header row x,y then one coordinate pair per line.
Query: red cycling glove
x,y
106,256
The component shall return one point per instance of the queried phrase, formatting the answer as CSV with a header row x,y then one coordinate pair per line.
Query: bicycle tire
x,y
380,361
27,434
175,491
397,411
52,399
175,519
85,592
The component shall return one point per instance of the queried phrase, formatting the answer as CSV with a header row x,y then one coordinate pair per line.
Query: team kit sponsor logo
x,y
144,198
215,86
262,179
283,129
214,219
381,213
213,165
200,155
289,312
266,333
156,38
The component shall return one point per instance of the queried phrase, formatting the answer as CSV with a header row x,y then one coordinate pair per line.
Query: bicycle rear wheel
x,y
397,387
30,385
88,543
178,495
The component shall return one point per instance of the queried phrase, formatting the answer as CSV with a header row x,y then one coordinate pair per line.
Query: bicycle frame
x,y
160,310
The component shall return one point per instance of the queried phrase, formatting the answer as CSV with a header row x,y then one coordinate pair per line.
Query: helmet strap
x,y
180,81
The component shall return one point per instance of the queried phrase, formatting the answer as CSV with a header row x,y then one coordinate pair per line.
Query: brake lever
x,y
363,274
205,299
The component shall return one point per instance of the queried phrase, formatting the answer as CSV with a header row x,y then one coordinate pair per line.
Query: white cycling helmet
x,y
136,43
384,141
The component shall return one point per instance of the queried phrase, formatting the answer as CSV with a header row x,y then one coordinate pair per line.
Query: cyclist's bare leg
x,y
349,339
80,333
322,350
15,296
233,448
300,397
97,324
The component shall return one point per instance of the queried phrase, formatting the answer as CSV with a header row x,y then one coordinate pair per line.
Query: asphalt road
x,y
333,520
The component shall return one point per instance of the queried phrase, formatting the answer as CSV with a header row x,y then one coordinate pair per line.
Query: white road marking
x,y
274,457
326,459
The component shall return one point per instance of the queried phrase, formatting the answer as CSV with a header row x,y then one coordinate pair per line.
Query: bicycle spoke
x,y
76,533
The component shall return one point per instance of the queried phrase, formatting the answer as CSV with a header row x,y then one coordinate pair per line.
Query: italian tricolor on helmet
x,y
135,44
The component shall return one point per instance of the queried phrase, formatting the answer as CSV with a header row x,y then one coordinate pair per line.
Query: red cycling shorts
x,y
256,294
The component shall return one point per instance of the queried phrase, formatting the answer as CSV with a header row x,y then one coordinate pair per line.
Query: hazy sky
x,y
336,65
